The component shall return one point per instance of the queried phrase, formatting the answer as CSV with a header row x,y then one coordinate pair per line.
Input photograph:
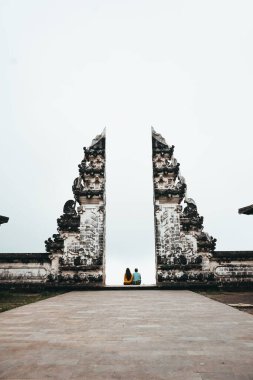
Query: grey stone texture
x,y
130,334
185,253
76,254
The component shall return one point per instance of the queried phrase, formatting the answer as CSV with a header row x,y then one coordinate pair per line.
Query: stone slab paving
x,y
151,334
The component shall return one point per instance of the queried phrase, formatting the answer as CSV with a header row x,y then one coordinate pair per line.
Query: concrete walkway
x,y
152,334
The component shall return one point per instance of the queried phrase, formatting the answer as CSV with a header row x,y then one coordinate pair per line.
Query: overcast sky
x,y
70,68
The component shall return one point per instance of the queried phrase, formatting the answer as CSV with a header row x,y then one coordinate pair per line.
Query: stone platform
x,y
156,334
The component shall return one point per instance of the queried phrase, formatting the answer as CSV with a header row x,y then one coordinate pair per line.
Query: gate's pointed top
x,y
158,137
98,138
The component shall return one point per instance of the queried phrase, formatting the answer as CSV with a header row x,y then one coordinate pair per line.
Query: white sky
x,y
69,68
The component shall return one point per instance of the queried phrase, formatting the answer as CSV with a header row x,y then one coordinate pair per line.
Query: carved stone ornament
x,y
182,248
54,245
160,146
91,180
69,221
81,239
190,218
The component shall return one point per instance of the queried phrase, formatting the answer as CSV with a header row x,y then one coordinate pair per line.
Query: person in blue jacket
x,y
136,277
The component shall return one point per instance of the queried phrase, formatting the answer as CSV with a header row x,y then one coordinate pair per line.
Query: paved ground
x,y
239,299
151,334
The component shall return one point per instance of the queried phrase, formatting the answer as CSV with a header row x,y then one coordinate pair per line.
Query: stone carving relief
x,y
81,228
182,247
69,221
23,274
231,271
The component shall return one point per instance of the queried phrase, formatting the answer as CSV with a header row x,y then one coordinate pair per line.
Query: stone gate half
x,y
183,249
77,252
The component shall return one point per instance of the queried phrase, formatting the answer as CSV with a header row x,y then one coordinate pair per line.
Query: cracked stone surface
x,y
130,334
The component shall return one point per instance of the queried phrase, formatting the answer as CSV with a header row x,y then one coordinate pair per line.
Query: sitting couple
x,y
132,279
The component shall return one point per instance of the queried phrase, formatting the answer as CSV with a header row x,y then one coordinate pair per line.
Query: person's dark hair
x,y
128,274
136,270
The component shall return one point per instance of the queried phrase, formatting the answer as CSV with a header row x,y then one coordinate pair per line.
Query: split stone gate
x,y
75,256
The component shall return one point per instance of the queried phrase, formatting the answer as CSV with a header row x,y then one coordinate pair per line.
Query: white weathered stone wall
x,y
24,272
184,252
83,258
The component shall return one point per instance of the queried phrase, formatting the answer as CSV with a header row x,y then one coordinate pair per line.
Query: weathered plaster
x,y
82,257
184,252
18,272
76,255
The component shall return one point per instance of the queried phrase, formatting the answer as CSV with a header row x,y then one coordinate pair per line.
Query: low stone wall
x,y
24,267
232,267
41,269
223,268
